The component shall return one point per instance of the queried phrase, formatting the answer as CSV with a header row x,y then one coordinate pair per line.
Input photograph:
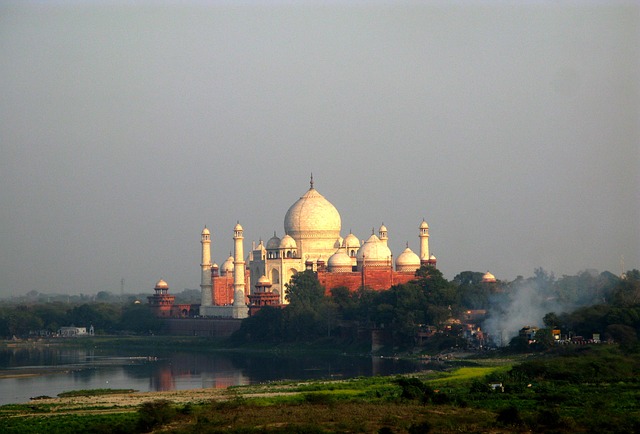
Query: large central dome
x,y
312,216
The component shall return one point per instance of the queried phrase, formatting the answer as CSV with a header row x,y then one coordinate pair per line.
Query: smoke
x,y
523,305
525,302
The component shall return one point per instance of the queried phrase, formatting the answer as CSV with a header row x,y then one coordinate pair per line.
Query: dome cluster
x,y
311,241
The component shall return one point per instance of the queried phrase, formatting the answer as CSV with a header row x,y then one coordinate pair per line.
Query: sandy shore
x,y
133,400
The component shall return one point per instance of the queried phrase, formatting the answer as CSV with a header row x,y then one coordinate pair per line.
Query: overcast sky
x,y
513,129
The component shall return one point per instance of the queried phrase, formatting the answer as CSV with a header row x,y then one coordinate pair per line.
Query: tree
x,y
308,314
551,320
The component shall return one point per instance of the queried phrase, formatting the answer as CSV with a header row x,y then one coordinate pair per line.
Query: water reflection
x,y
36,371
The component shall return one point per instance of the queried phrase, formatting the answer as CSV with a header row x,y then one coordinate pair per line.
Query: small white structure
x,y
74,332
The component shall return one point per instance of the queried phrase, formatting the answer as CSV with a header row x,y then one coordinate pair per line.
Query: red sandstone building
x,y
162,303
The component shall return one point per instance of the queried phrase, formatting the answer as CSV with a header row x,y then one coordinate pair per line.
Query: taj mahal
x,y
312,240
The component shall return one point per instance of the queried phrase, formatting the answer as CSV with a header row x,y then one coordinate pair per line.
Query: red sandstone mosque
x,y
311,241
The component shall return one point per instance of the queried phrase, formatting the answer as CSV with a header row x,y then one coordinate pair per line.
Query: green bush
x,y
155,413
320,399
414,389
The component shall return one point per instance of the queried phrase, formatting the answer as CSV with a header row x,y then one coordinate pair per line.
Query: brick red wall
x,y
374,278
222,290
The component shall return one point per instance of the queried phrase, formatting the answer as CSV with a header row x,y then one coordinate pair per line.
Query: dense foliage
x,y
42,319
612,308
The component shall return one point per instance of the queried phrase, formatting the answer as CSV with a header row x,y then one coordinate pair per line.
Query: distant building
x,y
162,303
74,332
311,241
488,278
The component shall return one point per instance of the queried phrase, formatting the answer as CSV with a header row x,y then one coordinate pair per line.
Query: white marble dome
x,y
288,242
407,261
313,216
339,262
227,266
205,231
374,252
351,242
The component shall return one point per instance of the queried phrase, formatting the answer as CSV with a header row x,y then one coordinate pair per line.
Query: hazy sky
x,y
513,129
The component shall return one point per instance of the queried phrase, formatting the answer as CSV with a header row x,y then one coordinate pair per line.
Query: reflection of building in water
x,y
162,379
222,380
183,370
311,241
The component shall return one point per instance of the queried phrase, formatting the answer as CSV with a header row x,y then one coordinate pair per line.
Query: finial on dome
x,y
407,244
311,182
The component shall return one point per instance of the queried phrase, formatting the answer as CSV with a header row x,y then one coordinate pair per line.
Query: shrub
x,y
319,399
509,416
423,427
414,389
154,413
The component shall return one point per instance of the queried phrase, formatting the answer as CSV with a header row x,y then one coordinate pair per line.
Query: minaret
x,y
424,242
205,265
240,309
383,234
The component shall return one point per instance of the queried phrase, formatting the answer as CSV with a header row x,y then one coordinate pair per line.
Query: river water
x,y
47,371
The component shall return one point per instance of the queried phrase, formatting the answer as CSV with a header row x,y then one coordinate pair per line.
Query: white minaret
x,y
240,309
383,234
205,265
424,242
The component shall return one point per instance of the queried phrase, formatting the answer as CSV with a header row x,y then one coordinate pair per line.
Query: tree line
x,y
47,318
594,302
584,303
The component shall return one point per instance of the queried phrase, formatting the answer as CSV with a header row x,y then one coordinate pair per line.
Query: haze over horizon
x,y
512,129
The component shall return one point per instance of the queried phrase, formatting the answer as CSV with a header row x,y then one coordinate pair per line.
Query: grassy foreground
x,y
591,391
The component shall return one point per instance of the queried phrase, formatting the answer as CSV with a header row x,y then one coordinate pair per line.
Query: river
x,y
27,372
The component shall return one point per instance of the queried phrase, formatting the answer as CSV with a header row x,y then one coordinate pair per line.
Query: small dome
x,y
264,281
351,242
238,227
488,278
216,266
205,231
408,259
288,242
273,243
162,284
227,266
432,257
374,250
339,261
383,228
424,225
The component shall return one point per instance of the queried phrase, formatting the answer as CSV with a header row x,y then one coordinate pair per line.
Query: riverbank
x,y
494,396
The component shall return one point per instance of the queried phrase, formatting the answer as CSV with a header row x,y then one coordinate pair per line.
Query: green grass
x,y
466,374
70,424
